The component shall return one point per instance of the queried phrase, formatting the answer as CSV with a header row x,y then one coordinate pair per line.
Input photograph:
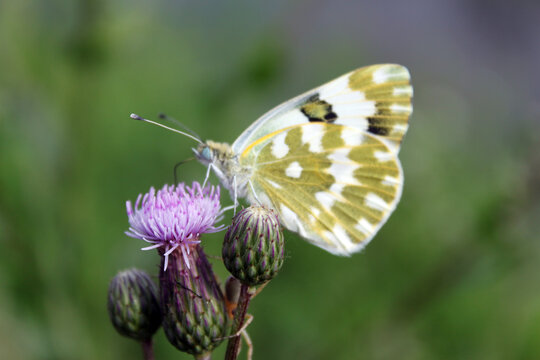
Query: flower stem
x,y
148,349
233,347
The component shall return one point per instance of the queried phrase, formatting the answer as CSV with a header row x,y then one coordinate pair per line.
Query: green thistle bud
x,y
195,318
133,305
254,247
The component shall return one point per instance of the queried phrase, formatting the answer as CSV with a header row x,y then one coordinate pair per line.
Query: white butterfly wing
x,y
375,99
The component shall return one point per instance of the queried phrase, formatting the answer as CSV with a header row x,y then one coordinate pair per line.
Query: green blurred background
x,y
453,275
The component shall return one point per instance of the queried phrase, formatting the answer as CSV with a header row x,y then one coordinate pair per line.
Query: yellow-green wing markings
x,y
389,86
335,185
375,99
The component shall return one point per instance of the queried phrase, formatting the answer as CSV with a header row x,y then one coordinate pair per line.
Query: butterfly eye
x,y
203,153
206,153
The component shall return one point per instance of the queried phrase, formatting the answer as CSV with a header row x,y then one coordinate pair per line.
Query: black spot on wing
x,y
377,127
317,110
312,119
331,116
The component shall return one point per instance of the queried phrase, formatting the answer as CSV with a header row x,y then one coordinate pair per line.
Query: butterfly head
x,y
212,152
221,158
203,153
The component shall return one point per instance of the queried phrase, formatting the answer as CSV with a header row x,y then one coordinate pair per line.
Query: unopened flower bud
x,y
195,318
253,249
133,304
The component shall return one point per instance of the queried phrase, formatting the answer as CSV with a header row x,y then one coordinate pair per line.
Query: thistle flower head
x,y
174,217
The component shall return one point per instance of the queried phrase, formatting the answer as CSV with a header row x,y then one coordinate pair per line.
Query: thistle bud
x,y
195,317
133,305
253,249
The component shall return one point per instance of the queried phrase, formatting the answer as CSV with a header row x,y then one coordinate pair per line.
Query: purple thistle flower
x,y
175,217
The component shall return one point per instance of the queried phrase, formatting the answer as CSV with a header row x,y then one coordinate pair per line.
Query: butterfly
x,y
326,160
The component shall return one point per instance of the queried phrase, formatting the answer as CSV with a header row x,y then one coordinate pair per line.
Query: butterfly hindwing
x,y
375,99
333,184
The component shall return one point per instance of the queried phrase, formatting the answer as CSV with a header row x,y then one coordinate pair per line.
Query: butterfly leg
x,y
254,193
249,344
210,166
235,195
249,319
243,332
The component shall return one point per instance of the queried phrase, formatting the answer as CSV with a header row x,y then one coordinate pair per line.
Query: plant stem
x,y
148,349
233,347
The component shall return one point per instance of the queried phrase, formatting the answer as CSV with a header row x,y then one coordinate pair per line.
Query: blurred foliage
x,y
452,275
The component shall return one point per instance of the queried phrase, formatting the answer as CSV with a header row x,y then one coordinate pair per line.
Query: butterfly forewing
x,y
375,99
335,185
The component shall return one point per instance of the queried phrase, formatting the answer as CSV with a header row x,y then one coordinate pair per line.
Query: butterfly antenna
x,y
137,117
178,123
176,168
